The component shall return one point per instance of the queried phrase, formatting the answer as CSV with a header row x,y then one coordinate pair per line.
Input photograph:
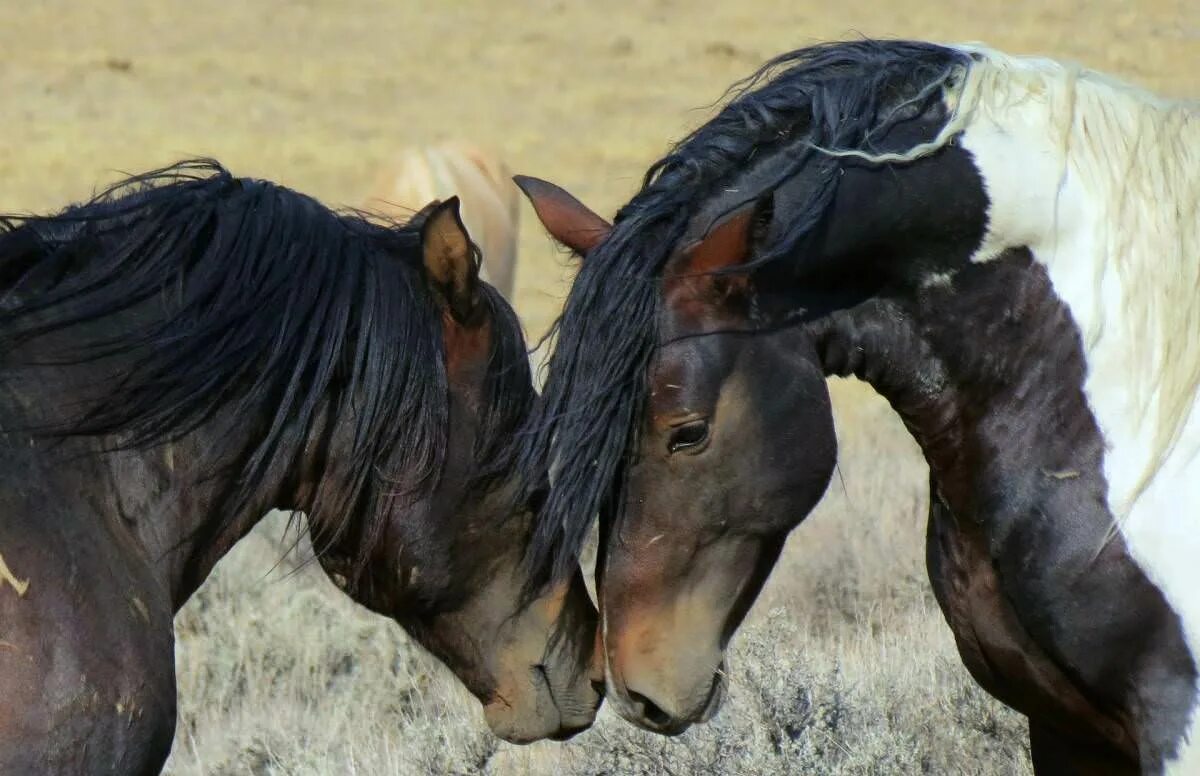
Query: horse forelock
x,y
819,102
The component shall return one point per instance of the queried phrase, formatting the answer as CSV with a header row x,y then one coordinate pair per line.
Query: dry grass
x,y
319,94
845,665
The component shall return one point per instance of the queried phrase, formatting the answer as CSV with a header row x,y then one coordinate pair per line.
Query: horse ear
x,y
567,219
727,242
449,257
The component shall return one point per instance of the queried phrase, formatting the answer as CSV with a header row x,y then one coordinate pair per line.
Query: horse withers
x,y
1006,249
190,350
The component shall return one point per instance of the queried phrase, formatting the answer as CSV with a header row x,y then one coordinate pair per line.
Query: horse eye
x,y
689,435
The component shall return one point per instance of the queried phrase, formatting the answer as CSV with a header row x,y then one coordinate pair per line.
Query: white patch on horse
x,y
1101,181
140,608
6,576
937,280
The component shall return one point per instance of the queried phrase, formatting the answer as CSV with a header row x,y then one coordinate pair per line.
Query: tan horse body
x,y
483,184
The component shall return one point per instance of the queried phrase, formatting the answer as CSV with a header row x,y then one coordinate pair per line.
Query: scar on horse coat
x,y
1007,249
190,350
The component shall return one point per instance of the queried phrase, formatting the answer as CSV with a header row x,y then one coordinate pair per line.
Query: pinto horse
x,y
190,350
1008,250
481,181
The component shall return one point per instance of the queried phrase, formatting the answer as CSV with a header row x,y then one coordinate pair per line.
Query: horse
x,y
189,350
479,178
1008,250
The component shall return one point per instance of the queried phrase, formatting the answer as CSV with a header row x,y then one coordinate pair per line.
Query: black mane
x,y
836,96
208,295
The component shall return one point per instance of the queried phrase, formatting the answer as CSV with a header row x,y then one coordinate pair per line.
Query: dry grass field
x,y
845,665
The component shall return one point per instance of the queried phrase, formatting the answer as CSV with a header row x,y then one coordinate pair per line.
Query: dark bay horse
x,y
190,350
1008,250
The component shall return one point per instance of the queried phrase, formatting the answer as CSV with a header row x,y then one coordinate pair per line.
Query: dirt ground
x,y
318,94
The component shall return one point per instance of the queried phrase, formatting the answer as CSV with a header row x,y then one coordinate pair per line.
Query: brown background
x,y
317,94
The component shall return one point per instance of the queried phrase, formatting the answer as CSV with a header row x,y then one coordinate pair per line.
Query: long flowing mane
x,y
206,295
810,108
829,97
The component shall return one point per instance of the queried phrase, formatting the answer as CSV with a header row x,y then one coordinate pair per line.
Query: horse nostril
x,y
650,710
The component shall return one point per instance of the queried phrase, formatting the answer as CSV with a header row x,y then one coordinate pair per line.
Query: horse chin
x,y
538,715
518,727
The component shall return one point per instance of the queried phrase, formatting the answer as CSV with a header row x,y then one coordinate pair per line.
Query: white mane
x,y
1100,181
1138,157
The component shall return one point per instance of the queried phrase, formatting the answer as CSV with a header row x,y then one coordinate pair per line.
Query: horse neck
x,y
1108,180
189,519
979,367
1105,198
180,499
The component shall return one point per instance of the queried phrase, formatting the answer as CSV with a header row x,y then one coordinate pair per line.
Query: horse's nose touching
x,y
560,704
549,680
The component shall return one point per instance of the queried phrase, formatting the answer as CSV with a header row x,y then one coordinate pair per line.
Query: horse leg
x,y
1055,754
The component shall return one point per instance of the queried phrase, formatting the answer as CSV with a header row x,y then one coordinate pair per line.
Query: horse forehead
x,y
692,379
677,379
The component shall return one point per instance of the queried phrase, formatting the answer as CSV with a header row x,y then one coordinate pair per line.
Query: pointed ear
x,y
727,242
566,219
449,257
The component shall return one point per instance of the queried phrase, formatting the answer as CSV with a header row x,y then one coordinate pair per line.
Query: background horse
x,y
191,349
1006,249
483,184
